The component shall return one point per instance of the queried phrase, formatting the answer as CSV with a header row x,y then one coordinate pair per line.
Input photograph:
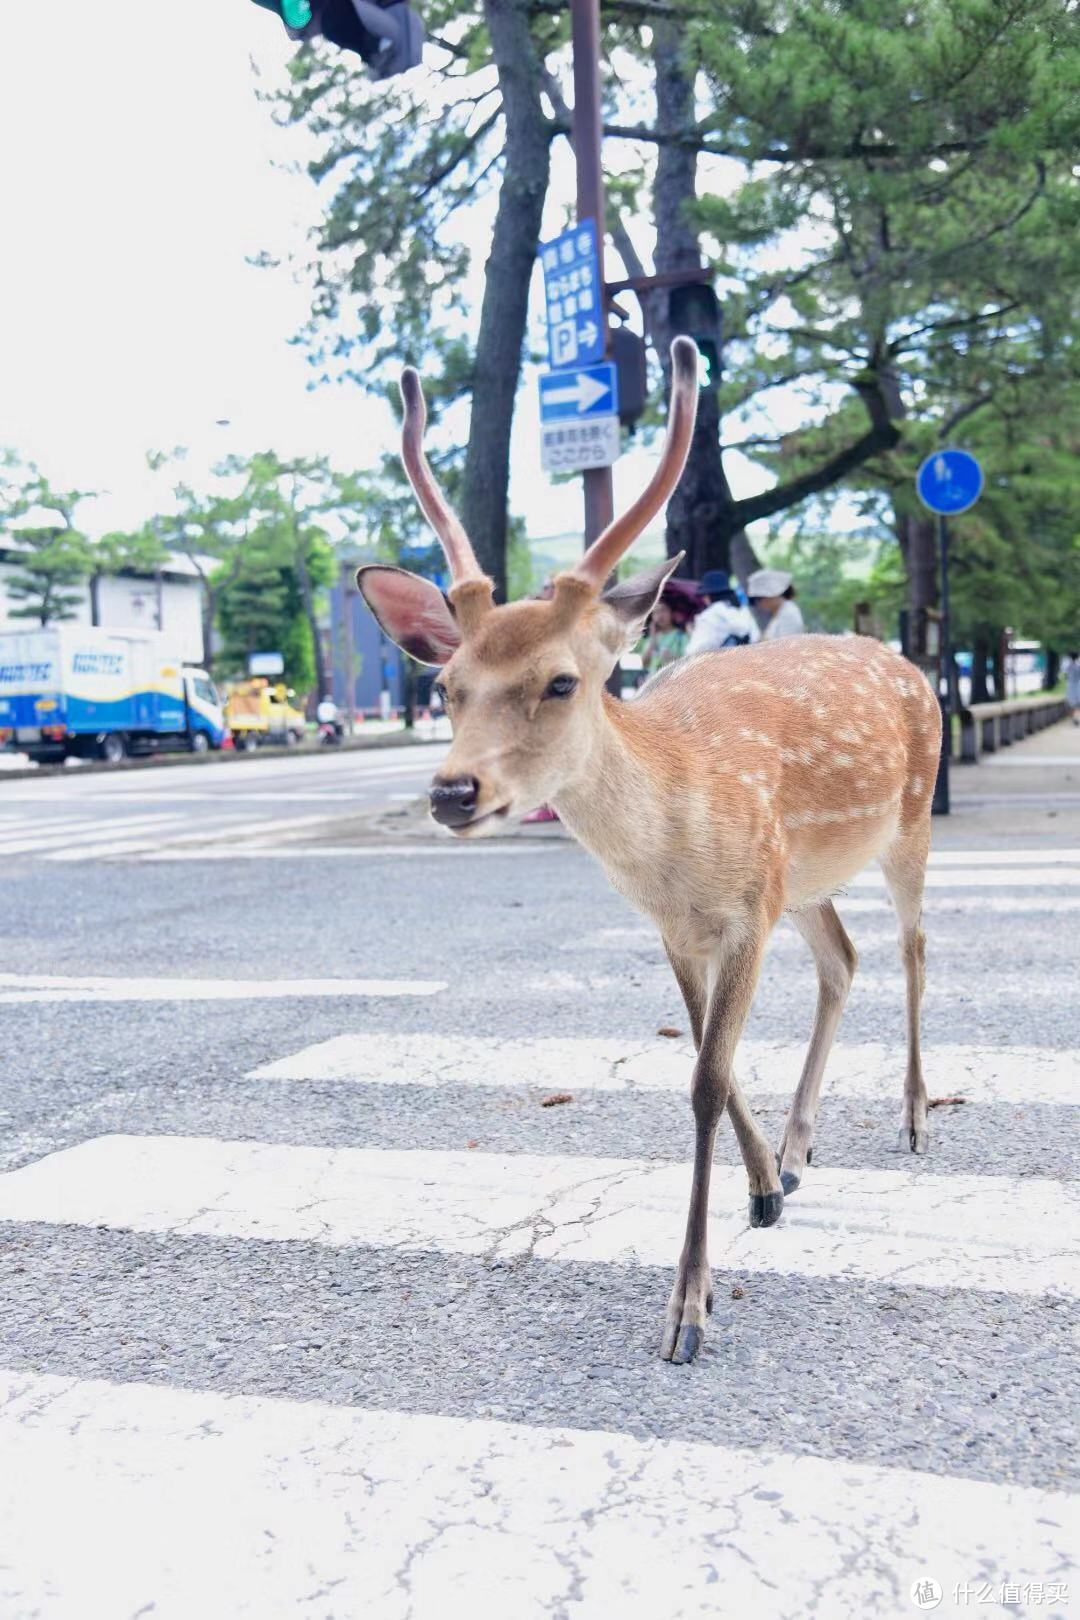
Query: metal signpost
x,y
947,483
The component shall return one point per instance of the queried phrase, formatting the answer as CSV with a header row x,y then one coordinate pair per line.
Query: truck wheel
x,y
200,742
112,747
248,742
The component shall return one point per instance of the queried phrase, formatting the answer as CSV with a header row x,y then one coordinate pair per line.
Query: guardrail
x,y
986,727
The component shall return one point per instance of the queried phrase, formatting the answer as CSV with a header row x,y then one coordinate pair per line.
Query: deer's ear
x,y
632,600
412,611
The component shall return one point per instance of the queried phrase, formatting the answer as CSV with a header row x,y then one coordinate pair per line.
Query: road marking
x,y
1016,1074
1014,1234
1046,856
238,827
83,839
16,988
1032,762
417,1517
966,878
399,848
943,905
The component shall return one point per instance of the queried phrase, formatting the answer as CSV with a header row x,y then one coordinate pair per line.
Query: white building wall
x,y
131,604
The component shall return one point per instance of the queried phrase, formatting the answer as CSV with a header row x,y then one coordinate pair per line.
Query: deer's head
x,y
524,682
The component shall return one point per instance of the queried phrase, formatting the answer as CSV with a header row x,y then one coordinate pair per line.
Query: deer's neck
x,y
621,799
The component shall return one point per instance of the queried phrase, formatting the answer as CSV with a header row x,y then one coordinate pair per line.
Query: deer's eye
x,y
561,686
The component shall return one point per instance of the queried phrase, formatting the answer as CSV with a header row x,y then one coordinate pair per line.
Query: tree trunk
x,y
1052,672
307,597
95,599
700,517
980,652
918,547
1001,643
507,275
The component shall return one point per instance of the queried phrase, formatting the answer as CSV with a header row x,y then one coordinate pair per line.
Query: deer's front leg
x,y
731,979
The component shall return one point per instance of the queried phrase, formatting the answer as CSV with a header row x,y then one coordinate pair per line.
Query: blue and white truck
x,y
73,690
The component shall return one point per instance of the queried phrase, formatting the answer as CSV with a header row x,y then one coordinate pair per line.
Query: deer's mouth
x,y
487,819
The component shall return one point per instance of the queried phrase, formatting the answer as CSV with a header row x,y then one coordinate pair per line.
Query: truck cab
x,y
260,711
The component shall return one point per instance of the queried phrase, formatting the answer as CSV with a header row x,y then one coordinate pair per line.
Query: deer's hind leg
x,y
904,866
836,960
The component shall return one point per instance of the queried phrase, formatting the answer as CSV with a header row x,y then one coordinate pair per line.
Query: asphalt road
x,y
217,806
309,1305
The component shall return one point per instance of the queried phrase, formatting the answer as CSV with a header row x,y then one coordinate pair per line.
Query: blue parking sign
x,y
574,296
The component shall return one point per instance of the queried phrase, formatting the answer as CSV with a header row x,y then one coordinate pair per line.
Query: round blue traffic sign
x,y
949,481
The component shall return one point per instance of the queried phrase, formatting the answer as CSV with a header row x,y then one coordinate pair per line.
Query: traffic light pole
x,y
585,36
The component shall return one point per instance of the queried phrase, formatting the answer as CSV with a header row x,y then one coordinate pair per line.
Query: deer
x,y
739,786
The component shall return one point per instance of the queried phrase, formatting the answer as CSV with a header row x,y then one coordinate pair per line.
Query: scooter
x,y
331,733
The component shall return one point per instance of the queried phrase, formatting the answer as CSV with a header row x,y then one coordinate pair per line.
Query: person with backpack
x,y
725,622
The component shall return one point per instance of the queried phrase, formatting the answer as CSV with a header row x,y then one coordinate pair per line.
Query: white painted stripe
x,y
125,1499
1016,1234
1016,1074
1033,761
1050,878
82,838
239,826
16,988
136,1499
981,905
400,850
1047,855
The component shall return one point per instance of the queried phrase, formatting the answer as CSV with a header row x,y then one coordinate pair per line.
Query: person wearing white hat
x,y
772,590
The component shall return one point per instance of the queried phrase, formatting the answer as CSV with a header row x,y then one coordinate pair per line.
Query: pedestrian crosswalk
x,y
1020,1234
263,1508
187,1495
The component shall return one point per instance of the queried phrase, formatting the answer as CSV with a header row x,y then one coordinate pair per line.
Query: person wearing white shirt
x,y
772,590
725,622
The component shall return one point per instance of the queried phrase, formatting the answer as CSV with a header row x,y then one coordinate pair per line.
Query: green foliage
x,y
832,572
51,556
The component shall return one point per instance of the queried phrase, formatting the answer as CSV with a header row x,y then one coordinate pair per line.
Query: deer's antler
x,y
618,537
447,525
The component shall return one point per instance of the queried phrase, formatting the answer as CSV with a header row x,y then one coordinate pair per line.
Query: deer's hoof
x,y
790,1182
766,1208
913,1141
687,1344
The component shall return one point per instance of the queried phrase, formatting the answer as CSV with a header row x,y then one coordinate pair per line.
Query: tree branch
x,y
883,435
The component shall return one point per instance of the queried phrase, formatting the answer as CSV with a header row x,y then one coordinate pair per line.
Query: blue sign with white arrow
x,y
949,482
574,296
578,394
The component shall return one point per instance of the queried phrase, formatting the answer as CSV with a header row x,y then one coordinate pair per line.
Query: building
x,y
170,601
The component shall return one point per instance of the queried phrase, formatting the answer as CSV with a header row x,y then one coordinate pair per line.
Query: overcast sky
x,y
137,176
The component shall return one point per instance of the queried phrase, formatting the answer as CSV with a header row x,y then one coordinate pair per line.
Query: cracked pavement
x,y
312,1308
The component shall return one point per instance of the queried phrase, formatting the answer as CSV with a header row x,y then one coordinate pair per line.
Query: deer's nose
x,y
453,801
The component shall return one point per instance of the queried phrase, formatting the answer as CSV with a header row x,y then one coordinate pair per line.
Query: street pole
x,y
348,653
585,35
940,804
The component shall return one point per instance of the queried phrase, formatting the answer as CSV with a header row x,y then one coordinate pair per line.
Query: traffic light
x,y
694,311
386,34
628,352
